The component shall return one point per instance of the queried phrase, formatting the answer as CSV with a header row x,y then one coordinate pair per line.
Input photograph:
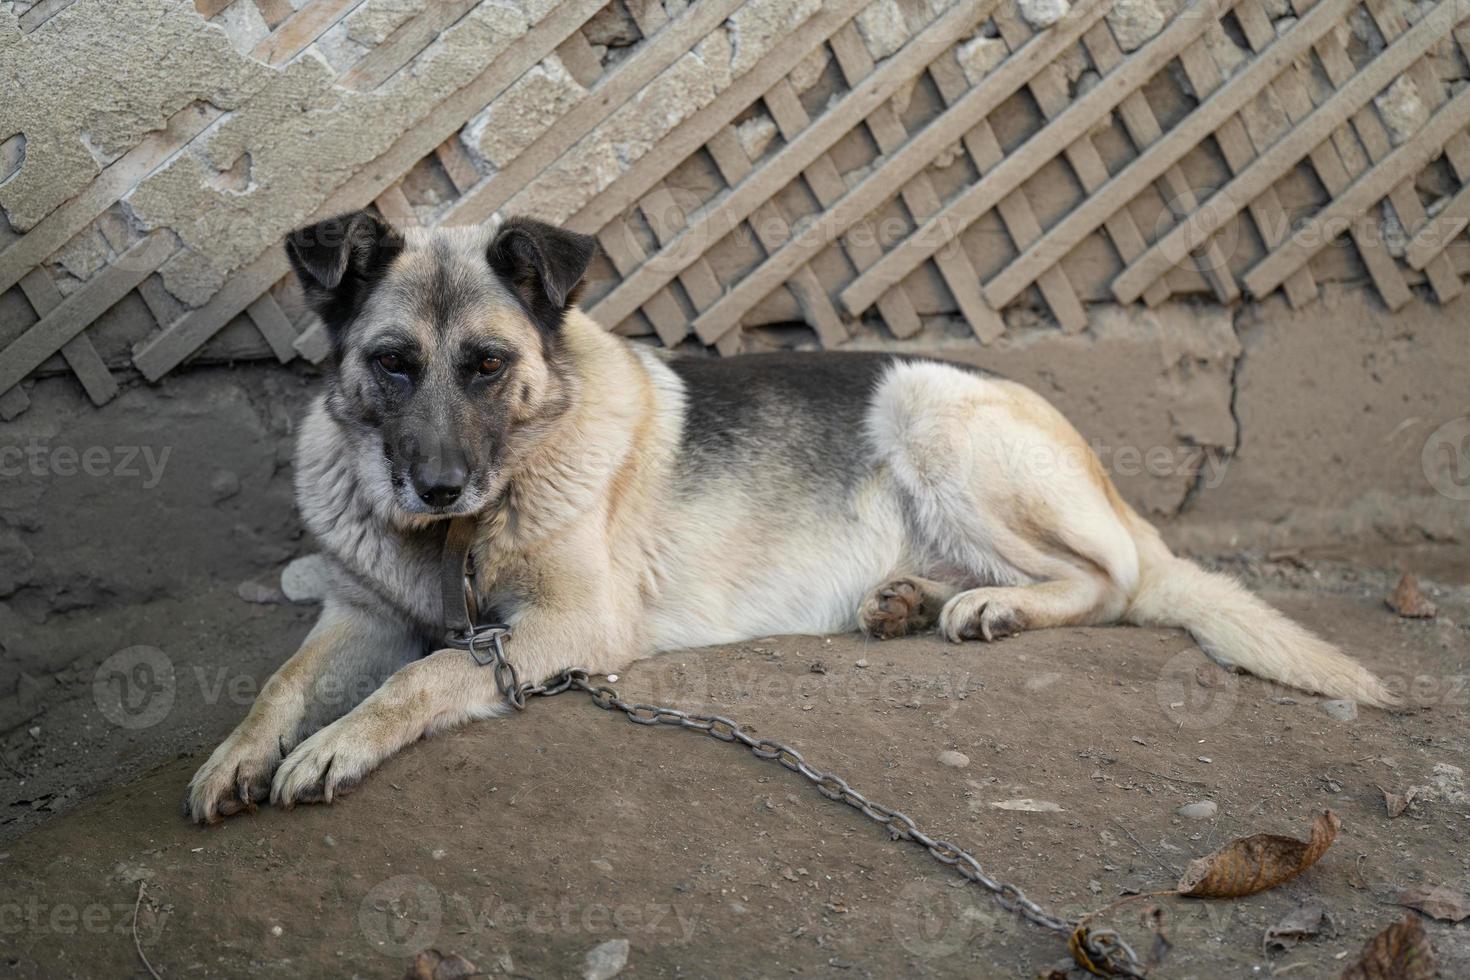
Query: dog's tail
x,y
1234,627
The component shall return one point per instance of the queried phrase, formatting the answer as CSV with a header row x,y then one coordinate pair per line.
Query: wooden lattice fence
x,y
884,160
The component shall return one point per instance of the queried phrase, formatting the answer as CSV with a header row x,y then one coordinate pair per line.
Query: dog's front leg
x,y
443,690
349,652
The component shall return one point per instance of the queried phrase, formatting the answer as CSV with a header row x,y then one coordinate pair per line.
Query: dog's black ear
x,y
544,264
339,259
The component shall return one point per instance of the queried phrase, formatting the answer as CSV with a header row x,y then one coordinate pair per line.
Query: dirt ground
x,y
525,843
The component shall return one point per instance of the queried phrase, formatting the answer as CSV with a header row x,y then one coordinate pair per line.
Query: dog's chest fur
x,y
375,562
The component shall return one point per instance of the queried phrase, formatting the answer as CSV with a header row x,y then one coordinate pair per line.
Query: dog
x,y
625,501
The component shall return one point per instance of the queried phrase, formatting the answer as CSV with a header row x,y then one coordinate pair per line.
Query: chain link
x,y
1104,948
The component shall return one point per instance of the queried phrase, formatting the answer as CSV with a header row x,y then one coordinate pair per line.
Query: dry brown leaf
x,y
1397,803
1355,874
1409,602
1400,952
430,964
1303,922
1437,902
1248,865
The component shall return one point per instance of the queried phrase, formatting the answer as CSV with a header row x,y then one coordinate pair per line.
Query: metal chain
x,y
1104,947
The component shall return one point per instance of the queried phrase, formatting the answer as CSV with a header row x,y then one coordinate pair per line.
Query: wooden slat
x,y
393,205
609,95
666,217
1433,238
1052,97
727,211
1333,167
580,61
827,186
1012,172
406,42
40,13
1219,107
735,166
1149,165
62,224
457,164
313,343
302,28
208,9
1391,23
81,356
1293,146
1239,146
160,354
661,309
274,325
1372,186
274,12
919,195
699,128
13,402
65,321
1144,130
1015,212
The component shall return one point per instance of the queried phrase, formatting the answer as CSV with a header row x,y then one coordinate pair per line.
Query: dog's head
x,y
447,347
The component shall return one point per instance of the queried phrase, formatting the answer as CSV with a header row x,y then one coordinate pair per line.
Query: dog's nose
x,y
439,487
441,495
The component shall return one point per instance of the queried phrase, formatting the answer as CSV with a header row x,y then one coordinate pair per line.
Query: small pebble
x,y
612,678
277,930
1203,810
862,663
606,960
1340,710
329,840
1205,758
438,853
957,760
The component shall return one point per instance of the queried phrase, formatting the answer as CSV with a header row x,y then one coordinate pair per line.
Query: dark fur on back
x,y
804,409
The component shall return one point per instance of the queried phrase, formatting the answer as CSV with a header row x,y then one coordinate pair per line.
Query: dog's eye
x,y
490,366
391,363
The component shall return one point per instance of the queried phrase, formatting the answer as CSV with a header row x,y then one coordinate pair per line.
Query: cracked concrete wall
x,y
1354,426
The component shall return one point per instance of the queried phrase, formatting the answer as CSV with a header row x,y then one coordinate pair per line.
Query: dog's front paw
x,y
236,776
327,765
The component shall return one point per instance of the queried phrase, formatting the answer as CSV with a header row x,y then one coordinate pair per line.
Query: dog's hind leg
x,y
995,613
902,606
1002,486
